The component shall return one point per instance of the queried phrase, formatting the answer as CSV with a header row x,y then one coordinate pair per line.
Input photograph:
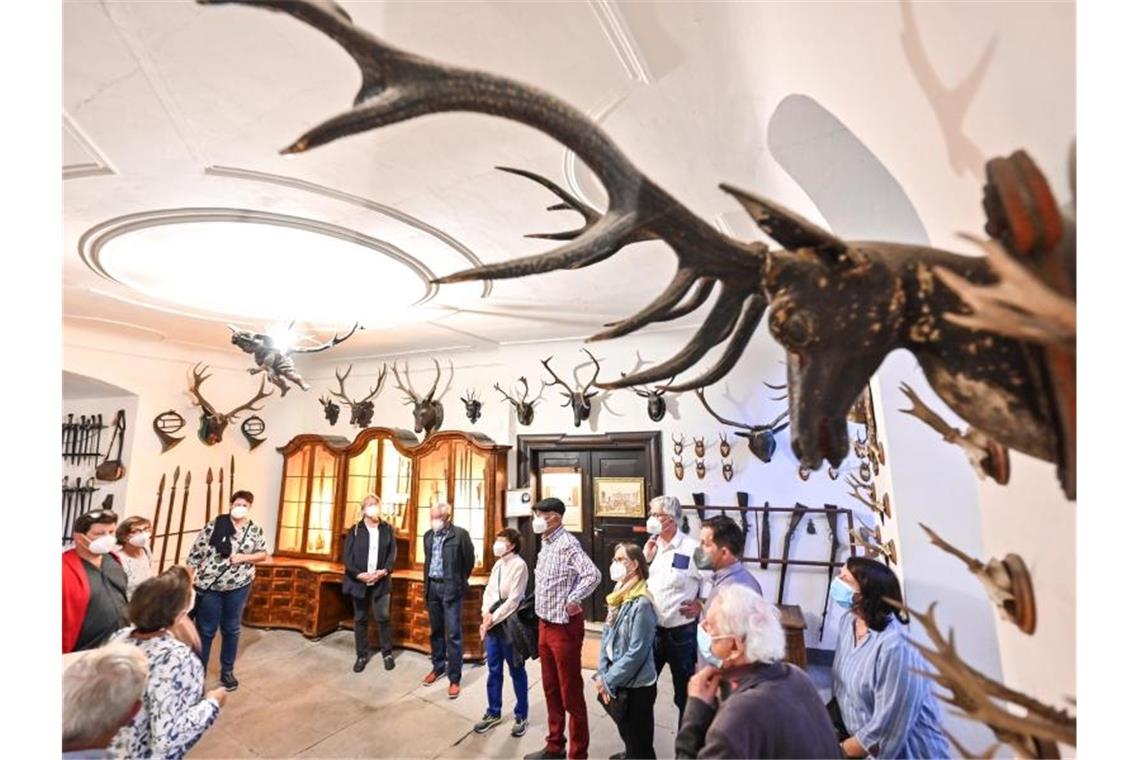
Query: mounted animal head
x,y
524,409
426,410
678,468
761,438
726,470
578,399
212,424
678,444
725,446
654,400
699,446
332,410
701,469
473,406
363,409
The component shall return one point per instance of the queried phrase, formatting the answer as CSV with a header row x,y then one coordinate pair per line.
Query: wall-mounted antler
x,y
212,424
872,542
362,410
577,399
761,438
331,408
426,410
472,405
871,501
986,456
524,409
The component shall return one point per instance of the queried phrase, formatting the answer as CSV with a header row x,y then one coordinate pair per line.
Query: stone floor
x,y
301,698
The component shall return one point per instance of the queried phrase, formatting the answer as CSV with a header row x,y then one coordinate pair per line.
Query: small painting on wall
x,y
619,497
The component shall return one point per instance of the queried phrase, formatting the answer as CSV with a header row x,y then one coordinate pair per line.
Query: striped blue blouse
x,y
881,700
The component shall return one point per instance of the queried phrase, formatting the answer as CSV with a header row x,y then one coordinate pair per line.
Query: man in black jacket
x,y
369,556
449,558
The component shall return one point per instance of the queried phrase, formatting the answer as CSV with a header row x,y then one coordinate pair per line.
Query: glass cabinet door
x,y
318,539
294,499
396,485
431,490
362,470
470,508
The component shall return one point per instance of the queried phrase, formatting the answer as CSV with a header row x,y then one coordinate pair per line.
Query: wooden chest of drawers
x,y
792,619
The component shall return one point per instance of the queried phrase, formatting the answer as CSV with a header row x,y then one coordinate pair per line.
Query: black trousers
x,y
636,728
678,647
379,605
446,632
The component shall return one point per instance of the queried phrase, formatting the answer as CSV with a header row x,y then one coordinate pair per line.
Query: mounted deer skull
x,y
212,424
678,444
363,409
332,410
577,399
726,470
655,400
872,543
524,409
761,438
871,501
987,457
275,360
700,469
473,406
699,446
725,446
426,410
678,468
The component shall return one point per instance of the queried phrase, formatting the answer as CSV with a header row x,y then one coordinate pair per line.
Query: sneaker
x,y
361,663
432,677
389,662
545,754
519,728
488,722
453,691
229,681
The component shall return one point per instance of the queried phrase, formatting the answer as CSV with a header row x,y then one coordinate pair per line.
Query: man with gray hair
x,y
102,691
677,587
747,702
449,558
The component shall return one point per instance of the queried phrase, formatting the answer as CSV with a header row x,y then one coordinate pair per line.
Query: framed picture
x,y
566,484
619,497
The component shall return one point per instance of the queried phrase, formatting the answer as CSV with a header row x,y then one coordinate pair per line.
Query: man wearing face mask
x,y
677,587
94,583
747,702
449,558
722,543
564,576
369,558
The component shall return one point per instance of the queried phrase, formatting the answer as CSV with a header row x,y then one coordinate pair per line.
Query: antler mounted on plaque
x,y
472,406
427,411
363,409
871,500
986,456
761,438
578,399
524,409
212,424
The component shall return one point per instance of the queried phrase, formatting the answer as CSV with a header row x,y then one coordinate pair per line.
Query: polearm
x,y
182,520
209,491
67,518
231,480
157,512
793,523
765,538
221,487
833,523
169,517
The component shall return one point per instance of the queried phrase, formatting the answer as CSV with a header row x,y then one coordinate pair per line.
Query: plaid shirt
x,y
564,573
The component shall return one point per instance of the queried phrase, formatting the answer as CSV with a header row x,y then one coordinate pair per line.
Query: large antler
x,y
438,374
379,384
261,394
701,395
398,86
326,346
586,392
409,391
929,416
342,394
200,377
568,393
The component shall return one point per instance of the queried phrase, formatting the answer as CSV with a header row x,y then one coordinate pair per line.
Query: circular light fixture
x,y
257,265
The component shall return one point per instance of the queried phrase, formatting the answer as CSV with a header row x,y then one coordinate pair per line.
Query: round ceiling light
x,y
257,265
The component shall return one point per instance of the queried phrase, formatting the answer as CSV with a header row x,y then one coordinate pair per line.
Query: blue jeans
x,y
220,608
446,625
677,647
498,650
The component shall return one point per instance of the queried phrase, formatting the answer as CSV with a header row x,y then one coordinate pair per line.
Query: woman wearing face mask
x,y
505,590
747,702
174,714
887,707
133,535
222,557
626,680
369,558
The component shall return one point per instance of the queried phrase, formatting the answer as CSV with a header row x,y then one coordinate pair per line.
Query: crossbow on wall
x,y
838,307
275,361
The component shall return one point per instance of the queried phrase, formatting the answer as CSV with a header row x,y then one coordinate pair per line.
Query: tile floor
x,y
300,698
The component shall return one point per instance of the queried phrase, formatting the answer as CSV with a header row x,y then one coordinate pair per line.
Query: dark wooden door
x,y
607,532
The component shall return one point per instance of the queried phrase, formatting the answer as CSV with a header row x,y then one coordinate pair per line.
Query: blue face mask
x,y
704,644
842,594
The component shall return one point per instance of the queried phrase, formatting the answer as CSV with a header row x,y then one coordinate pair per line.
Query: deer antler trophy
x,y
986,456
427,411
212,424
524,409
363,409
761,438
577,399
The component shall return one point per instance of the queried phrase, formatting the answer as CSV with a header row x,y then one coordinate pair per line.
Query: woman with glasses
x,y
133,535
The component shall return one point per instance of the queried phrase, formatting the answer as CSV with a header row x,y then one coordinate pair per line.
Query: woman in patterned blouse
x,y
174,712
222,557
133,535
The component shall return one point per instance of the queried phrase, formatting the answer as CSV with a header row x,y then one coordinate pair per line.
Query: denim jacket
x,y
631,634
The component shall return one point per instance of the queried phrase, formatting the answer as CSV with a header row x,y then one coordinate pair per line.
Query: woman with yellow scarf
x,y
627,677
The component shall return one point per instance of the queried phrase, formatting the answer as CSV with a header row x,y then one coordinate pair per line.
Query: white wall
x,y
107,406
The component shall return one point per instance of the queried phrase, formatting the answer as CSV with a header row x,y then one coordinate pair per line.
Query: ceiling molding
x,y
330,192
204,314
622,41
597,112
97,166
117,323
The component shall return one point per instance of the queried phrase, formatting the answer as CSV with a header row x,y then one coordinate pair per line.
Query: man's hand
x,y
651,548
704,683
690,608
573,608
487,620
218,695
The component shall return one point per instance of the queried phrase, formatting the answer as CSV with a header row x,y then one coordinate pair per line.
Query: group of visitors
x,y
676,601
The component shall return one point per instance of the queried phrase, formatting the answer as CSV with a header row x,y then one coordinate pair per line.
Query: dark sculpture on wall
x,y
578,399
761,438
524,409
251,428
427,411
837,307
472,406
331,408
361,411
275,360
212,424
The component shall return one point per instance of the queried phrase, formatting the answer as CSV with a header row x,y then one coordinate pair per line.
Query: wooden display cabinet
x,y
324,480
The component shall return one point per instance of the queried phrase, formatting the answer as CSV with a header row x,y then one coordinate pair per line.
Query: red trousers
x,y
560,652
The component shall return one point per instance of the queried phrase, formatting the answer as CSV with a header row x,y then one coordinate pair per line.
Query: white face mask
x,y
102,545
372,511
139,539
239,513
653,525
499,548
538,524
617,571
437,525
